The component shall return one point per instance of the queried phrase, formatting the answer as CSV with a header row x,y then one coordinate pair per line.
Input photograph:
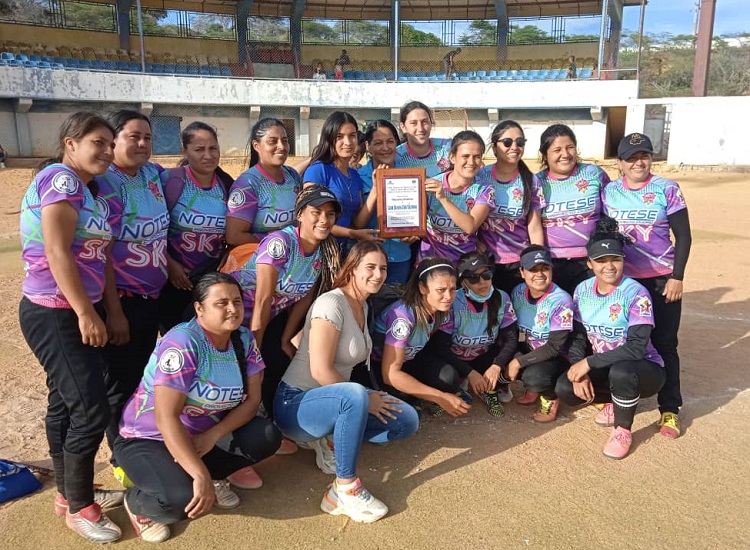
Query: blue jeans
x,y
342,410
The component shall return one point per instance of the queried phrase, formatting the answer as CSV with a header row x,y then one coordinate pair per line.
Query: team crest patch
x,y
276,248
317,264
400,329
614,311
171,361
236,199
103,207
644,307
517,194
64,183
443,164
155,191
566,318
582,186
541,318
648,198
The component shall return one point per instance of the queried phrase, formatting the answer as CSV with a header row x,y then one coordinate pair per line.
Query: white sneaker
x,y
2,165
357,503
504,393
225,497
148,529
325,457
93,524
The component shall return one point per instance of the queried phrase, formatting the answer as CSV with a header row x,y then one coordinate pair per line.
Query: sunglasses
x,y
474,278
507,142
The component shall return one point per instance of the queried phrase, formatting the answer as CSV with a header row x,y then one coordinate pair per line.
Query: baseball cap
x,y
319,196
535,257
473,263
634,143
605,247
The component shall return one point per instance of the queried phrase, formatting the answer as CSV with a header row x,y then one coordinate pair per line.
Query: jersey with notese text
x,y
469,338
550,313
435,163
397,327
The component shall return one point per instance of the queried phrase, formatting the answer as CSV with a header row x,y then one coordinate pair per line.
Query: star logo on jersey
x,y
156,191
644,307
400,329
236,199
614,311
648,198
443,164
64,183
541,318
517,194
636,139
566,318
276,248
171,361
582,186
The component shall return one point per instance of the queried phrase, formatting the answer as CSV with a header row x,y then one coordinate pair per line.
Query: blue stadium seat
x,y
225,71
330,75
22,57
159,68
369,75
35,57
15,63
379,75
390,75
97,65
29,64
348,75
481,74
512,75
585,73
122,66
204,70
7,56
4,62
84,64
464,78
44,64
134,67
181,68
403,78
214,71
492,73
57,66
522,74
359,75
48,59
502,74
110,65
170,68
60,60
193,69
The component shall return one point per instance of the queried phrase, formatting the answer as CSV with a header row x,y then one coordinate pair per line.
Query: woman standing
x,y
571,204
196,197
420,150
193,420
516,220
316,401
64,235
648,208
262,198
615,313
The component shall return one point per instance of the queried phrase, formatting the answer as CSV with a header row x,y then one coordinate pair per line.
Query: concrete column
x,y
703,47
635,119
21,108
503,27
242,13
396,116
123,23
298,8
303,132
493,115
254,114
146,109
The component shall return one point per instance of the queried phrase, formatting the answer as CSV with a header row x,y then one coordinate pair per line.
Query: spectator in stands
x,y
572,73
344,58
419,149
319,73
3,156
338,70
448,62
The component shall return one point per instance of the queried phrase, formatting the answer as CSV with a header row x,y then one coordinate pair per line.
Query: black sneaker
x,y
492,400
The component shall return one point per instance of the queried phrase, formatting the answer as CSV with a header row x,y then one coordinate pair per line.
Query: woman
x,y
458,203
419,149
410,368
193,420
485,334
196,197
130,193
516,219
648,208
571,204
316,401
262,198
545,321
64,235
381,139
615,313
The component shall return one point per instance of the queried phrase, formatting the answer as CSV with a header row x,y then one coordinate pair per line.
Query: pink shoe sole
x,y
287,447
246,478
528,398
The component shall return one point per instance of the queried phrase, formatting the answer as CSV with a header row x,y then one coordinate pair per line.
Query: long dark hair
x,y
496,300
187,135
325,150
427,269
413,106
527,178
120,118
465,136
257,132
551,134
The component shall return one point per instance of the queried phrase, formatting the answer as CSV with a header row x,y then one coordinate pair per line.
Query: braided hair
x,y
329,248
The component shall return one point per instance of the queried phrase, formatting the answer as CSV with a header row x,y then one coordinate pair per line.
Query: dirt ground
x,y
477,481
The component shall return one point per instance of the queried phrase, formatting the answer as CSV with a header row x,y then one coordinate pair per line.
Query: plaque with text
x,y
402,202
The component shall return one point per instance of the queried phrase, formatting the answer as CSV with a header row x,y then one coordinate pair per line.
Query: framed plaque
x,y
402,202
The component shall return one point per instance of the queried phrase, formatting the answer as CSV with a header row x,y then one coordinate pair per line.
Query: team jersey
x,y
550,313
642,214
435,163
197,221
137,212
607,318
444,237
57,183
297,271
348,189
186,360
267,205
469,338
571,209
396,327
505,232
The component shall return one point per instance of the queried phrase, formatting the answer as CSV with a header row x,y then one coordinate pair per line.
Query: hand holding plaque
x,y
402,202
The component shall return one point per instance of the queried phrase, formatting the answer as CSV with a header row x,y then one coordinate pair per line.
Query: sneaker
x,y
148,529
304,445
357,503
106,499
669,425
246,478
226,499
547,409
325,457
606,416
287,447
122,477
465,396
92,524
492,400
618,444
435,410
528,398
504,393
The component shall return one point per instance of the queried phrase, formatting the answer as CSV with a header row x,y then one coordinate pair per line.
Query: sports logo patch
x,y
236,199
517,194
582,186
276,248
400,329
171,361
541,318
644,307
566,318
103,207
63,182
154,188
614,311
648,198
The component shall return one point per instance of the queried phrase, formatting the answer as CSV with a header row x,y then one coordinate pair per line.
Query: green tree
x,y
33,11
410,36
315,32
481,33
367,32
213,26
90,16
267,29
528,34
581,38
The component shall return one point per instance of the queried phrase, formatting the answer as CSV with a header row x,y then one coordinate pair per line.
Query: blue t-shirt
x,y
348,190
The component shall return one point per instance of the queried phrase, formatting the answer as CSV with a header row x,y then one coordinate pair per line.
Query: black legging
x,y
275,359
569,273
541,377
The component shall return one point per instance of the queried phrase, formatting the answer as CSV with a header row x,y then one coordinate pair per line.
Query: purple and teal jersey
x,y
444,237
607,318
469,338
550,313
197,222
435,163
505,232
571,208
137,211
348,189
398,328
266,204
642,214
297,271
57,183
185,360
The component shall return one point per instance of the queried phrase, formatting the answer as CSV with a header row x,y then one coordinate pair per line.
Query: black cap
x,y
535,257
318,197
605,247
634,143
474,263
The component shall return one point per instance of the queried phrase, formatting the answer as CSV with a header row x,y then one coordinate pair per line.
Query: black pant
x,y
175,307
623,383
569,273
77,409
162,489
507,276
275,359
542,377
125,364
664,338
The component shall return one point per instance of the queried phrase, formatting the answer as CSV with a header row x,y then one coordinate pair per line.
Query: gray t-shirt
x,y
354,346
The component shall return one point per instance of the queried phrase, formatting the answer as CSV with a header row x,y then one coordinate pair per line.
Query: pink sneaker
x,y
528,398
105,498
606,416
287,447
246,478
618,445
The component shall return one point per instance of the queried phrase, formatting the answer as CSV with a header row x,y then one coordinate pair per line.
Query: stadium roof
x,y
411,10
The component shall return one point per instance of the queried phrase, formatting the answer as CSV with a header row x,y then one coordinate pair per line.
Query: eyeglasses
x,y
474,278
507,142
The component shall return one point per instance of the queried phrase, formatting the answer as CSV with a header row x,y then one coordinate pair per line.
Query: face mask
x,y
476,297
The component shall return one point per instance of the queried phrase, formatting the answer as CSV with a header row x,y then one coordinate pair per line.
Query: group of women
x,y
520,277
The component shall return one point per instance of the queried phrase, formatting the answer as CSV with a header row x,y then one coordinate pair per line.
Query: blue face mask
x,y
476,297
